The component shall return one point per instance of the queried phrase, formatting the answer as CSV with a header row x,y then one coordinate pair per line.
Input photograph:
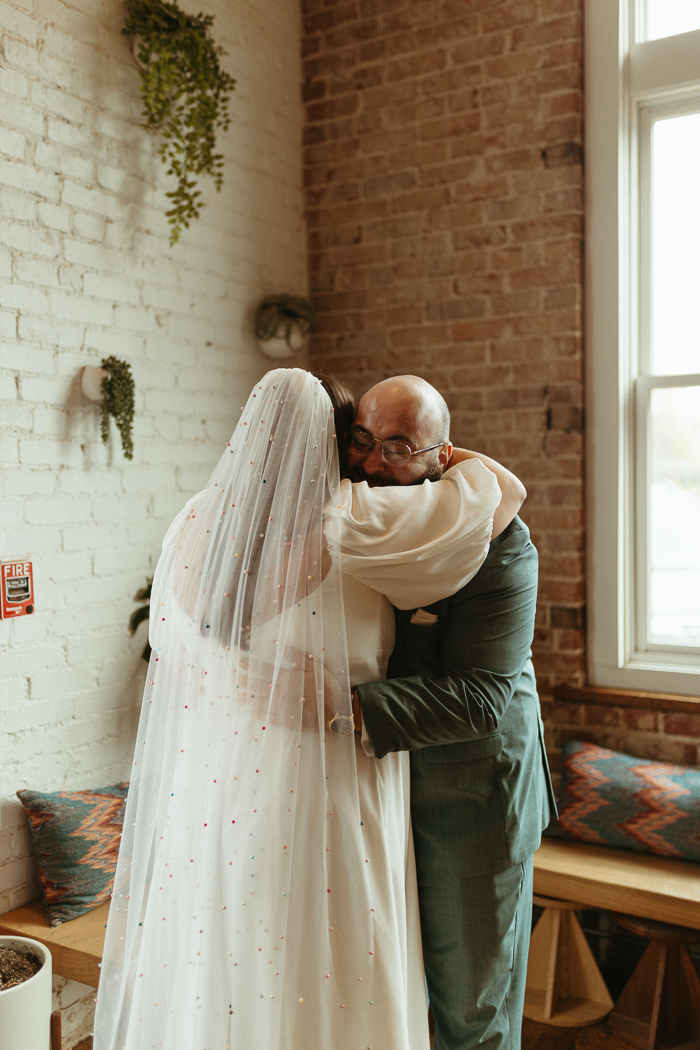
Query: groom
x,y
461,697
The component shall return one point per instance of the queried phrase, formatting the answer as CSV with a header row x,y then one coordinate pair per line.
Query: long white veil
x,y
241,915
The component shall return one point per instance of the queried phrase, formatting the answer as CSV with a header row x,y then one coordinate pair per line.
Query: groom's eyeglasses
x,y
392,451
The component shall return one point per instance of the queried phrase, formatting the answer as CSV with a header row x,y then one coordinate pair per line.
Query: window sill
x,y
626,698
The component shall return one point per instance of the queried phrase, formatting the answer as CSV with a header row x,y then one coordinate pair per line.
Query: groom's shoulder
x,y
511,561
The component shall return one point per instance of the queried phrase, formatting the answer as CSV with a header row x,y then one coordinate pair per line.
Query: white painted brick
x,y
17,206
73,308
12,144
57,511
44,712
49,99
26,238
13,83
51,389
36,271
16,417
116,289
85,537
9,454
55,217
64,162
27,482
95,648
136,318
32,660
20,297
70,277
91,200
21,115
95,256
8,388
90,226
54,683
13,691
5,260
42,452
50,334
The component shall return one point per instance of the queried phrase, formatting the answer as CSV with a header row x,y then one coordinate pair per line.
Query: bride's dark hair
x,y
344,411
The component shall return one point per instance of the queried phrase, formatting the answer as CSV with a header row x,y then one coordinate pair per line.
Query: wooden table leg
x,y
564,985
660,1005
56,1036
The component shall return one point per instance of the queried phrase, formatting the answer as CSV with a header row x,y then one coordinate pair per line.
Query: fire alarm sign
x,y
17,597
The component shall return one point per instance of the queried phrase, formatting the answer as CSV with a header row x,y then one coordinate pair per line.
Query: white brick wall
x,y
86,271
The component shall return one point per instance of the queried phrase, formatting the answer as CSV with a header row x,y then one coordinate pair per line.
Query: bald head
x,y
415,398
408,411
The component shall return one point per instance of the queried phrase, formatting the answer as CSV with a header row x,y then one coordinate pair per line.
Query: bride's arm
x,y
418,543
513,492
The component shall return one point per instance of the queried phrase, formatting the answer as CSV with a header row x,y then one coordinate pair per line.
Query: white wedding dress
x,y
265,896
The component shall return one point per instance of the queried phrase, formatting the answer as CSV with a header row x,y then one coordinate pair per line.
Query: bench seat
x,y
76,946
619,880
598,876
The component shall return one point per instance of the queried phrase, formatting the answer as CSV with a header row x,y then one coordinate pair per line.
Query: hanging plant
x,y
186,96
118,401
141,614
282,323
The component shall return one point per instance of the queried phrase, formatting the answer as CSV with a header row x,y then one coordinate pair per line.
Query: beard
x,y
357,473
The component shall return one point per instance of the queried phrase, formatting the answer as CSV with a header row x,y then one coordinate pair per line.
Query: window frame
x,y
625,80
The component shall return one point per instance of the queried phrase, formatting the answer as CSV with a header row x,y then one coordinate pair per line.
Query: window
x,y
643,342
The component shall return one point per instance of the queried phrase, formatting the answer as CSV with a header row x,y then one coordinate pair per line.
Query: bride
x,y
265,892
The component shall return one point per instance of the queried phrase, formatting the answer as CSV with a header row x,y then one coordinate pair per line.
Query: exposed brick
x,y
681,724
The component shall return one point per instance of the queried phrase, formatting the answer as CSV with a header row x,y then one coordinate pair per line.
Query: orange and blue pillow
x,y
75,836
611,799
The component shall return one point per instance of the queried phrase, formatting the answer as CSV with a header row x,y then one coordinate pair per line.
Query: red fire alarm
x,y
17,597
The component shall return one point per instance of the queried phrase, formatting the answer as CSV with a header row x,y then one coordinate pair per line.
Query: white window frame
x,y
623,79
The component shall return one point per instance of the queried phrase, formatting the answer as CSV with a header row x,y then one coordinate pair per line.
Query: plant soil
x,y
16,968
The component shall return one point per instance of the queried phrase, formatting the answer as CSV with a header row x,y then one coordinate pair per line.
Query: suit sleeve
x,y
485,644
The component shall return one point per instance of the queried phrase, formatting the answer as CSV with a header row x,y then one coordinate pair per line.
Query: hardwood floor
x,y
539,1037
547,1037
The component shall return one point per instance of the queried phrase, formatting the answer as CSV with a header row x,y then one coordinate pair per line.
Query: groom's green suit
x,y
461,697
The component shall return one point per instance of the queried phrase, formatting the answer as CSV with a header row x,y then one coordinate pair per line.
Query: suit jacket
x,y
461,697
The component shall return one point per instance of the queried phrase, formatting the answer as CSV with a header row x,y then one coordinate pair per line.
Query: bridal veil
x,y
242,913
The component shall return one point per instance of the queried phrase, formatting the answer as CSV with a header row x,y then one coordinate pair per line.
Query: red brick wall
x,y
444,205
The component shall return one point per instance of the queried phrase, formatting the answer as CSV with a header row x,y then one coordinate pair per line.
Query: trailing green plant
x,y
186,97
139,615
118,401
278,314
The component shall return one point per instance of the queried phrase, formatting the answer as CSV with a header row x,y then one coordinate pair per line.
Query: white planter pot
x,y
25,1009
279,347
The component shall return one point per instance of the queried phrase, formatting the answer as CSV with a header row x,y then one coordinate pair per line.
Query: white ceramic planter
x,y
25,1009
91,382
279,347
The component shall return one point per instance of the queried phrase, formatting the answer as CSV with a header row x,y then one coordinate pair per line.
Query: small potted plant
x,y
186,95
282,323
112,384
25,994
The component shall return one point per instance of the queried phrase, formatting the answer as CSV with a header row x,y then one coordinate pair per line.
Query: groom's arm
x,y
484,647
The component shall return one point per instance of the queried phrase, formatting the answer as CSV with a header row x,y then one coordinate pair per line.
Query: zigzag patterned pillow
x,y
75,835
613,799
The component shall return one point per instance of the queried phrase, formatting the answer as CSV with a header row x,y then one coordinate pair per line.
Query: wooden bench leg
x,y
660,1005
564,985
56,1035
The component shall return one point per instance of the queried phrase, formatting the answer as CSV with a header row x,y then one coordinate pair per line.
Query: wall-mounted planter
x,y
282,325
91,382
25,1009
283,345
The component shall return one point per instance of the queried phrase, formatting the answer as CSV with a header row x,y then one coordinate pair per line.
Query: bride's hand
x,y
296,692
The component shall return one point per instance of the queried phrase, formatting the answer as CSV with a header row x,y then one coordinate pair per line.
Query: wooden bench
x,y
76,946
620,881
